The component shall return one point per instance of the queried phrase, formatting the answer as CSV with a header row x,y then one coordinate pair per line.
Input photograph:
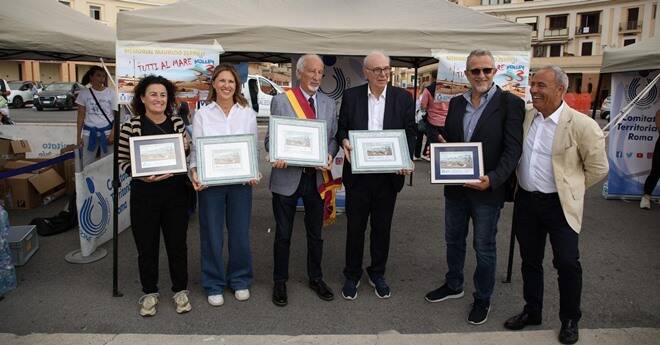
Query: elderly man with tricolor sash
x,y
314,185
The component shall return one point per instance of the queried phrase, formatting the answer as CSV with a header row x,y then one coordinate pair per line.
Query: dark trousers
x,y
371,198
654,175
150,215
419,140
458,212
536,216
433,131
284,209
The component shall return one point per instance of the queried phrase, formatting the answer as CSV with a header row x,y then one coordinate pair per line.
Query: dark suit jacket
x,y
500,132
354,114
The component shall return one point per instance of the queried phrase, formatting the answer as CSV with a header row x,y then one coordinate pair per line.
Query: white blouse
x,y
210,120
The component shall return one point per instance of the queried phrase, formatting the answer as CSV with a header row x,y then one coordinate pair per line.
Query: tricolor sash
x,y
328,189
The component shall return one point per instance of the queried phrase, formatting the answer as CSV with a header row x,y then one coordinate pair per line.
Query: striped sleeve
x,y
124,155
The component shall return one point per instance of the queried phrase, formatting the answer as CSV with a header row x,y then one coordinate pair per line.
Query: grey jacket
x,y
285,181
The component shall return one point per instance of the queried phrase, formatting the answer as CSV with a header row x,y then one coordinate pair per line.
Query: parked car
x,y
60,95
259,92
605,108
22,92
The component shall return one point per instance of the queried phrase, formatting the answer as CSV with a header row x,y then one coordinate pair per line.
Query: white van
x,y
259,91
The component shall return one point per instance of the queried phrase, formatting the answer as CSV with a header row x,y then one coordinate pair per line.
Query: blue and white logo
x,y
94,214
637,85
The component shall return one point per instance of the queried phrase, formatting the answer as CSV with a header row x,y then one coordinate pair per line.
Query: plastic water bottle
x,y
7,270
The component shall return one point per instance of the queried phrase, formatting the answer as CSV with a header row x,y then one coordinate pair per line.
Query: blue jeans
x,y
458,213
232,205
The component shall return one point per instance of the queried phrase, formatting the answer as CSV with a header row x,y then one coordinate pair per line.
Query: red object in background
x,y
579,101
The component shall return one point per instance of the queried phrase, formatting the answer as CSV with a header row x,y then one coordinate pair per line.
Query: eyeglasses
x,y
477,71
379,71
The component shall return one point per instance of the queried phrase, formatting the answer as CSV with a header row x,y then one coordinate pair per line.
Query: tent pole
x,y
115,194
410,183
597,100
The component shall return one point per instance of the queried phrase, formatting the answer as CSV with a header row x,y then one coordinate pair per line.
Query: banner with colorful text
x,y
94,203
631,142
512,73
188,66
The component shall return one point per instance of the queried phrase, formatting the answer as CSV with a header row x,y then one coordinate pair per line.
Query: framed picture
x,y
298,142
383,151
456,163
157,155
227,159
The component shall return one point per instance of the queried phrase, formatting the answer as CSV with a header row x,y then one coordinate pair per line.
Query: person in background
x,y
654,174
97,106
420,120
226,114
158,202
436,112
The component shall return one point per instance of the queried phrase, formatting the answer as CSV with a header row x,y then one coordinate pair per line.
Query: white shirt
x,y
376,109
93,115
210,120
535,172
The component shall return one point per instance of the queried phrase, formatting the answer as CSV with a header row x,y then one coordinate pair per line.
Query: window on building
x,y
655,9
589,23
555,50
558,22
95,12
587,48
629,41
65,2
495,2
531,21
539,51
633,17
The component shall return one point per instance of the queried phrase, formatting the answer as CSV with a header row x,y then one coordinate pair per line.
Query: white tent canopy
x,y
265,30
48,30
644,55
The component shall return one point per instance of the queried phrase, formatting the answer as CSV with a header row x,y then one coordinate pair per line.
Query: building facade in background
x,y
52,71
573,33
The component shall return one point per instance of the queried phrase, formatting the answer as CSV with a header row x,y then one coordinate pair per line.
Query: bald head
x,y
376,68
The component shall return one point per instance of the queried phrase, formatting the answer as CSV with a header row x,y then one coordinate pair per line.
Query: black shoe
x,y
443,293
521,320
322,289
279,294
349,291
479,313
569,332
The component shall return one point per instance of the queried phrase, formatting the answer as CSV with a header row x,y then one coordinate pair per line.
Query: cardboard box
x,y
10,149
69,171
29,190
16,164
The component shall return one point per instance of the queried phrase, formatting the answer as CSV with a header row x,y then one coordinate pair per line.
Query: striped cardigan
x,y
133,128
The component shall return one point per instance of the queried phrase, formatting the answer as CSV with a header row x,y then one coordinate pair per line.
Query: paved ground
x,y
30,114
638,336
620,257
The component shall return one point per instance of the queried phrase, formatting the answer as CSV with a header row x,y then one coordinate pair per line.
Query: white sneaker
x,y
645,203
216,300
182,302
242,295
148,304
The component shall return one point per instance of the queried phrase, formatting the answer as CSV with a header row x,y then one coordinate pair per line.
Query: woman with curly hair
x,y
158,202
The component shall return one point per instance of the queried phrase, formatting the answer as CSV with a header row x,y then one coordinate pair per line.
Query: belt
x,y
541,195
